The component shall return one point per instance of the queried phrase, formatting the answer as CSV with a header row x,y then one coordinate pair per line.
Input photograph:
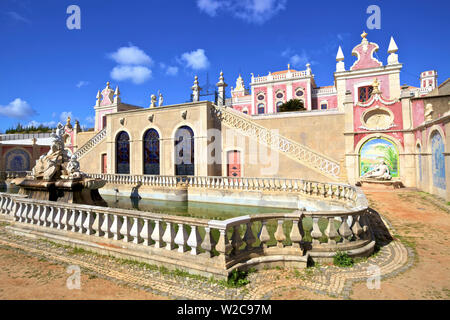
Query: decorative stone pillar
x,y
221,85
196,90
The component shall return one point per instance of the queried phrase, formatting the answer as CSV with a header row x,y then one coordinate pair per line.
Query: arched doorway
x,y
184,152
376,150
151,152
438,160
123,153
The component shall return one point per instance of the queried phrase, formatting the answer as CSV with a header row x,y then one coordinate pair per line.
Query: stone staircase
x,y
88,146
314,160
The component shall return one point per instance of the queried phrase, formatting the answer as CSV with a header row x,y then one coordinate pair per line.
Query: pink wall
x,y
418,112
303,84
332,102
365,57
257,91
384,84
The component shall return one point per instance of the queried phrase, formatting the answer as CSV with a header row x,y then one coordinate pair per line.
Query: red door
x,y
234,164
104,163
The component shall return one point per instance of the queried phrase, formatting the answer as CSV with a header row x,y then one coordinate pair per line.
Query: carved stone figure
x,y
47,166
161,100
428,112
153,101
73,169
380,172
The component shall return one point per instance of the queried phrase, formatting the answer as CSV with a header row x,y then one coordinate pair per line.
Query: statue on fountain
x,y
380,172
57,177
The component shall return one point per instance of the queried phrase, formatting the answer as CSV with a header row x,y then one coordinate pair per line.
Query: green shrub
x,y
237,279
342,259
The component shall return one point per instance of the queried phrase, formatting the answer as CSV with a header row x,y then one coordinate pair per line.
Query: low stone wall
x,y
207,247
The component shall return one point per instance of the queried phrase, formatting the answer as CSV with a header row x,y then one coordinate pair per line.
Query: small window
x,y
261,108
299,93
280,95
261,97
364,93
324,105
245,111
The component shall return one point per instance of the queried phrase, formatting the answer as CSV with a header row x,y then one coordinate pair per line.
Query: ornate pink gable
x,y
365,55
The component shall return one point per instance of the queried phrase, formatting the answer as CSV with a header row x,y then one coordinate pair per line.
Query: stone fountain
x,y
57,177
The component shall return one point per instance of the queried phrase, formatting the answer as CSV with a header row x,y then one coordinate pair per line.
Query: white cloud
x,y
33,123
64,115
18,109
14,15
90,120
197,60
131,55
169,70
210,7
82,84
138,74
252,11
298,60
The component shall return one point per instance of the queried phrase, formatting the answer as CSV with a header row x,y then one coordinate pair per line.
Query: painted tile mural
x,y
17,160
437,149
376,150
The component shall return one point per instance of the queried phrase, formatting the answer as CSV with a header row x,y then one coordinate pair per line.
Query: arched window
x,y
438,160
245,111
279,103
184,151
261,108
151,152
364,93
123,153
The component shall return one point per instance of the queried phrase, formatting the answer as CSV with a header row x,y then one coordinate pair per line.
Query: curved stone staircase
x,y
88,146
294,150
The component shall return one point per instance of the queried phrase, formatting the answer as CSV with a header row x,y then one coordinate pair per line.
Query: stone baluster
x,y
42,215
329,193
264,236
208,243
316,233
65,219
356,228
169,236
57,220
80,221
36,213
50,216
116,226
345,231
236,240
136,231
106,226
181,238
2,203
88,223
18,213
126,228
297,232
279,234
331,232
223,246
194,241
249,237
157,234
72,220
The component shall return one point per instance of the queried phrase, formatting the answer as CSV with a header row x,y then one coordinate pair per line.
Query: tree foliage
x,y
292,105
29,129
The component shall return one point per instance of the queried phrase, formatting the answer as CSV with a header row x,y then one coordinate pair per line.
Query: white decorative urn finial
x,y
393,57
340,65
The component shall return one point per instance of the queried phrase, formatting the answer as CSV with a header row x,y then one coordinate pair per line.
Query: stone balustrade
x,y
7,175
202,246
331,191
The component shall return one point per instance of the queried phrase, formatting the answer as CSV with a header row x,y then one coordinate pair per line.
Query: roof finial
x,y
289,66
364,35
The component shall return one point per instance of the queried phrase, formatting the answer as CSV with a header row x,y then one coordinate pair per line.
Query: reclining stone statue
x,y
380,172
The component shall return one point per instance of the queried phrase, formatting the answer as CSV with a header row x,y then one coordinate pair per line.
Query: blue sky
x,y
48,71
